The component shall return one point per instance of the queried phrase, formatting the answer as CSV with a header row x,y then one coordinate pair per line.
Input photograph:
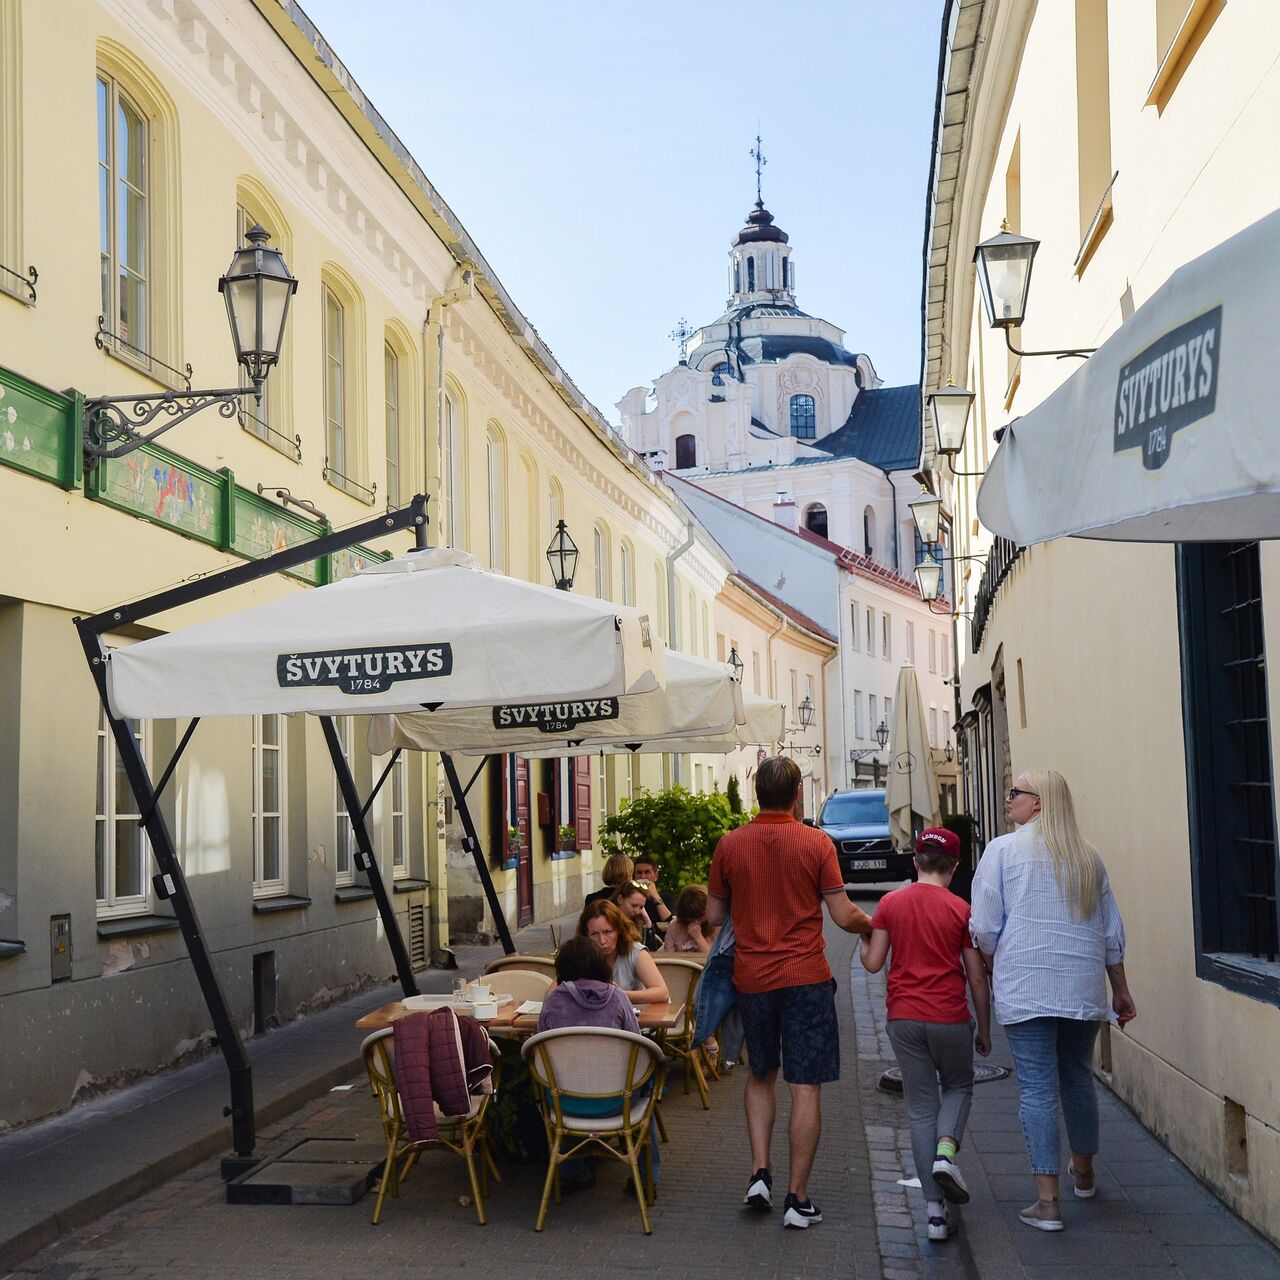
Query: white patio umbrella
x,y
424,628
762,727
700,697
1167,432
912,788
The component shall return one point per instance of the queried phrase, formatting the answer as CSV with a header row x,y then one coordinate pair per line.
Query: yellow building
x,y
158,134
1128,138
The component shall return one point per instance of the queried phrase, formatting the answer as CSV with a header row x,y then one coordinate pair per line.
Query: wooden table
x,y
652,1017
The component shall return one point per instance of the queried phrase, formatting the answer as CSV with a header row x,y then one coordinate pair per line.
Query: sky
x,y
599,155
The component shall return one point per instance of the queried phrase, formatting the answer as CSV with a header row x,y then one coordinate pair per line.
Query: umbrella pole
x,y
477,852
171,885
365,860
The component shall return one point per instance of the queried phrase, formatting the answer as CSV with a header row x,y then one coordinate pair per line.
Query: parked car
x,y
858,824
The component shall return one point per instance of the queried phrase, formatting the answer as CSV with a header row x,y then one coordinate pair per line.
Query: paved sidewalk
x,y
62,1173
1151,1218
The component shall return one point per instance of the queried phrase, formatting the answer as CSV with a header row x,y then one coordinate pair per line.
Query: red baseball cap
x,y
938,840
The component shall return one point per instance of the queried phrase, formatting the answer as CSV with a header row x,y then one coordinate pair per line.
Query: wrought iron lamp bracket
x,y
1081,353
117,425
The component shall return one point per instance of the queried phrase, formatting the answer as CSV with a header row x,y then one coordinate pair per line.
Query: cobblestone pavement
x,y
1151,1219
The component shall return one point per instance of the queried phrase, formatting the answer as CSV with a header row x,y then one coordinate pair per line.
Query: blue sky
x,y
598,155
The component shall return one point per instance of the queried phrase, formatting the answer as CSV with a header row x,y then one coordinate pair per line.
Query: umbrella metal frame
x,y
170,882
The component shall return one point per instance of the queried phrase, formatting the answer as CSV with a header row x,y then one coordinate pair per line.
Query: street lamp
x,y
929,579
805,710
1004,276
925,511
737,664
882,741
257,289
562,556
950,408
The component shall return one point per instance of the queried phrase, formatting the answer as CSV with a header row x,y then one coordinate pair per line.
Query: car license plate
x,y
869,864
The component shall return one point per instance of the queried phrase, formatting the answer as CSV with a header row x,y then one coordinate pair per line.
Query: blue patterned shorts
x,y
795,1028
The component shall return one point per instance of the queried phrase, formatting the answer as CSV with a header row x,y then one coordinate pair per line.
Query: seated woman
x,y
690,930
632,966
584,994
617,870
632,899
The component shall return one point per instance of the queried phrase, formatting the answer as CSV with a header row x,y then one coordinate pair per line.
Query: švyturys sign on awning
x,y
371,670
554,717
1169,385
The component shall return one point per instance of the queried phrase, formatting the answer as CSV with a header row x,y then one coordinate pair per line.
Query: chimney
x,y
784,510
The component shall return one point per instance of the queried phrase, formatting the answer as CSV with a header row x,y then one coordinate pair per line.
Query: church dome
x,y
760,227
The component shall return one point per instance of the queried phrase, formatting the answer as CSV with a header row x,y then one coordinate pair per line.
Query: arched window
x,y
452,436
335,382
391,418
751,275
345,405
124,213
496,453
627,560
803,418
815,519
737,277
869,531
602,558
686,452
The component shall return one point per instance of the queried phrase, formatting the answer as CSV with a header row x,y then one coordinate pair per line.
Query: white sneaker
x,y
759,1190
942,1226
946,1173
800,1215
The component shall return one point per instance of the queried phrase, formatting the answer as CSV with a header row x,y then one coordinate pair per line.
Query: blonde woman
x,y
617,870
1051,935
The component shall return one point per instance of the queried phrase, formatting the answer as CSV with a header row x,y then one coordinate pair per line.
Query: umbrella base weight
x,y
313,1171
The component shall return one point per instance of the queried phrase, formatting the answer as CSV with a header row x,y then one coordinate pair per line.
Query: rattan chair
x,y
463,1135
521,984
681,976
589,1065
539,964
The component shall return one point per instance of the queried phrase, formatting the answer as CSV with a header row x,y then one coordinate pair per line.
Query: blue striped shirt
x,y
1047,963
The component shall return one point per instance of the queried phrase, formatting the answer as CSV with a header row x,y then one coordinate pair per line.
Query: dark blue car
x,y
858,824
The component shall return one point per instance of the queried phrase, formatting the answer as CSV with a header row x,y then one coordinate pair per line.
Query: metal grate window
x,y
1230,778
803,417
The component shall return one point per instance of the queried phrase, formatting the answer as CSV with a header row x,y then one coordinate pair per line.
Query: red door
x,y
582,799
524,858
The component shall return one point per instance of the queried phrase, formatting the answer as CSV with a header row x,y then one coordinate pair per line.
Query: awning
x,y
427,627
701,698
911,792
1167,433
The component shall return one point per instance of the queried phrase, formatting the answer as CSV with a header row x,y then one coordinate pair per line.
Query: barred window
x,y
803,418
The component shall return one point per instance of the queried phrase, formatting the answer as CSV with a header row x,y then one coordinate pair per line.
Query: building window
x,y
120,846
933,651
124,180
795,697
1093,110
268,804
391,416
686,452
600,547
497,466
886,637
933,726
344,838
335,383
397,817
869,531
755,671
627,558
945,649
751,275
803,418
873,720
451,440
859,728
815,519
888,712
1230,781
911,643
855,615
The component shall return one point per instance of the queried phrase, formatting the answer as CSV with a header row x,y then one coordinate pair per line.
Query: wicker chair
x,y
463,1135
589,1065
539,964
522,984
681,976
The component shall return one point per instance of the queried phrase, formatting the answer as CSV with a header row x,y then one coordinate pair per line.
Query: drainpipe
x,y
433,407
433,418
672,638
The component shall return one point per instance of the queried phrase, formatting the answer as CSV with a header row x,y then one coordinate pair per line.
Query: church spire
x,y
760,268
757,154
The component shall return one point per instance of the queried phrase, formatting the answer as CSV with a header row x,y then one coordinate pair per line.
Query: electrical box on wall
x,y
60,948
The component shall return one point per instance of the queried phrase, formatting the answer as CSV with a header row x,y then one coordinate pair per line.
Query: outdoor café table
x,y
652,1017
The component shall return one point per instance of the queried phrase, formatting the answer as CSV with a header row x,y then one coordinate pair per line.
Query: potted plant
x,y
566,838
513,841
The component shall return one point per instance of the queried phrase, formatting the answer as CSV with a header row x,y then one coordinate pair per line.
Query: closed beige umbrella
x,y
912,790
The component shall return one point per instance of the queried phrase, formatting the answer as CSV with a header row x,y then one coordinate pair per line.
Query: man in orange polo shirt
x,y
775,875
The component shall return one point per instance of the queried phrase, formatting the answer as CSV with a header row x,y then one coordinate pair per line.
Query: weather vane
x,y
680,334
757,154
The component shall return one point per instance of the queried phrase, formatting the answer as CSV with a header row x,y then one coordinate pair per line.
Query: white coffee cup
x,y
480,992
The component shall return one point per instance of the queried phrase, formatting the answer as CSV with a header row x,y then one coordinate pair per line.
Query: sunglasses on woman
x,y
641,885
1014,792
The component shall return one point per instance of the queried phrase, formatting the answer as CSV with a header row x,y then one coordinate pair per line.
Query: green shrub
x,y
733,793
676,828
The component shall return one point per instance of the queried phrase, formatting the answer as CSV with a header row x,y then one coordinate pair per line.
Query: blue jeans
x,y
1053,1059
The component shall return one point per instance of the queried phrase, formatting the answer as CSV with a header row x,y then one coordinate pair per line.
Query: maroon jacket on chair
x,y
441,1060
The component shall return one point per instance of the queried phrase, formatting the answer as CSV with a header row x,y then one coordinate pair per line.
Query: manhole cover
x,y
983,1073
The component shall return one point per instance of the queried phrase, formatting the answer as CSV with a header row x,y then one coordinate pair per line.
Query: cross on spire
x,y
758,156
680,335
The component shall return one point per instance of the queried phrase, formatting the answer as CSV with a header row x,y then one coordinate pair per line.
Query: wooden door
x,y
524,858
582,799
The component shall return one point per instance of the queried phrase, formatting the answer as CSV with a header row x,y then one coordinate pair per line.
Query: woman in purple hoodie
x,y
584,994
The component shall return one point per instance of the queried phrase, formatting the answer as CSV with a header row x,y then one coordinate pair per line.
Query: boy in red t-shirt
x,y
927,928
